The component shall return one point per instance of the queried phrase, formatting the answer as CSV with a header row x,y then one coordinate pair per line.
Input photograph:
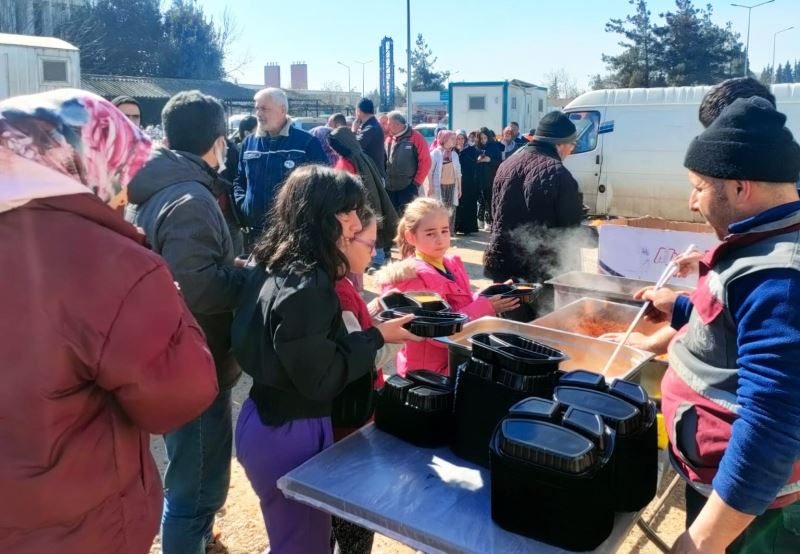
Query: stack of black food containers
x,y
504,369
626,408
552,474
417,408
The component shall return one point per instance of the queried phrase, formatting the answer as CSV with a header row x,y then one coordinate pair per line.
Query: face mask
x,y
220,154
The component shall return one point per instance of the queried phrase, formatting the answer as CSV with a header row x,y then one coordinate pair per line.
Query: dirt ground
x,y
240,519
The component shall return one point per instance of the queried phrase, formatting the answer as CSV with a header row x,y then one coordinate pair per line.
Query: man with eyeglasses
x,y
533,193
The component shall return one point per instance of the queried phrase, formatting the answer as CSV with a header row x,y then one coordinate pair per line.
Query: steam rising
x,y
546,252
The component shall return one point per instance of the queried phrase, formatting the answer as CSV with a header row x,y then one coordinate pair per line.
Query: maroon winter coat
x,y
98,350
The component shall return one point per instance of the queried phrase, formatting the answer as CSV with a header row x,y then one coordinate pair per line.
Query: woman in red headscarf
x,y
98,348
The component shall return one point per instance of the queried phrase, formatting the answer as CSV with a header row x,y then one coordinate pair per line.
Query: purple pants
x,y
268,453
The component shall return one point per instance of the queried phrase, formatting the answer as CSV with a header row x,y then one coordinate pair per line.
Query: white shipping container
x,y
495,104
30,64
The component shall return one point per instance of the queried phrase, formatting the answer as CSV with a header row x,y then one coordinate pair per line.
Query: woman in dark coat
x,y
489,159
357,162
467,211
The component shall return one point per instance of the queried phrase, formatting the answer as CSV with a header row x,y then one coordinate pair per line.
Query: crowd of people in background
x,y
144,280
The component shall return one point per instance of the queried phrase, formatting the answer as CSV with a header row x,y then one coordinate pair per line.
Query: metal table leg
x,y
645,525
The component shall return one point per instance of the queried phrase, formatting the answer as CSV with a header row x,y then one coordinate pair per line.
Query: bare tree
x,y
561,84
333,91
228,33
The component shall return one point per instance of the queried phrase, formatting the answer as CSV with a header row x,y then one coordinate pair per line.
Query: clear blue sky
x,y
475,40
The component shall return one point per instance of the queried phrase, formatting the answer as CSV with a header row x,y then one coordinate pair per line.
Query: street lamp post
x,y
348,81
774,37
747,44
363,64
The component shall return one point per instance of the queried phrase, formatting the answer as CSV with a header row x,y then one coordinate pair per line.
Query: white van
x,y
629,157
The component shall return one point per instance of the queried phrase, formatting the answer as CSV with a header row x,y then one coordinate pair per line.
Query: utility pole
x,y
775,71
747,44
363,64
408,61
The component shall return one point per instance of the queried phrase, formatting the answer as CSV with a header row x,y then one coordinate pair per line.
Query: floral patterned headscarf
x,y
74,133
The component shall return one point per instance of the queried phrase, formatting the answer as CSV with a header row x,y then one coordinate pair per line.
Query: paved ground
x,y
240,520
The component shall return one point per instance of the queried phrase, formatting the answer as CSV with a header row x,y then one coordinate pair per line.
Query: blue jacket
x,y
264,163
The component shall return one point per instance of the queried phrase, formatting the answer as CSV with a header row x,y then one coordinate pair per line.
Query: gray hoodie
x,y
174,199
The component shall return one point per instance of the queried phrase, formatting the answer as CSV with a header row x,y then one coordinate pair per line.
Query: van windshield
x,y
587,123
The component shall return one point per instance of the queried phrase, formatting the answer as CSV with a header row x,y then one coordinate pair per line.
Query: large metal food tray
x,y
584,352
575,285
564,319
567,317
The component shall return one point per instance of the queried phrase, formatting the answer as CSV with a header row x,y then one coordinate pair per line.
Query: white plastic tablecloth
x,y
427,498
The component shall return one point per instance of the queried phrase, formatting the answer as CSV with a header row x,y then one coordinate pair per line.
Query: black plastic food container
x,y
526,292
415,299
626,408
552,475
516,353
427,324
498,376
417,408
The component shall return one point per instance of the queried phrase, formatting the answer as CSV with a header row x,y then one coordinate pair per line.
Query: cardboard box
x,y
641,248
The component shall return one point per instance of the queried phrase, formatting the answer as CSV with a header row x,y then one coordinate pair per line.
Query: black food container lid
x,y
430,399
621,415
430,378
588,424
395,388
548,445
536,408
583,378
632,392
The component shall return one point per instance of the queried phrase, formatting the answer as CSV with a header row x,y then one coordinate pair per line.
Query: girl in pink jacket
x,y
423,237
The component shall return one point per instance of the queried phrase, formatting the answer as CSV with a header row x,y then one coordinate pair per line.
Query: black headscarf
x,y
344,143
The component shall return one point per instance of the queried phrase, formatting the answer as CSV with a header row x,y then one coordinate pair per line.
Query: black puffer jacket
x,y
533,193
289,336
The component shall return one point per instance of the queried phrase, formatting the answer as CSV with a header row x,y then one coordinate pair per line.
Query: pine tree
x,y
423,76
132,37
696,51
190,48
636,66
788,74
688,49
116,37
